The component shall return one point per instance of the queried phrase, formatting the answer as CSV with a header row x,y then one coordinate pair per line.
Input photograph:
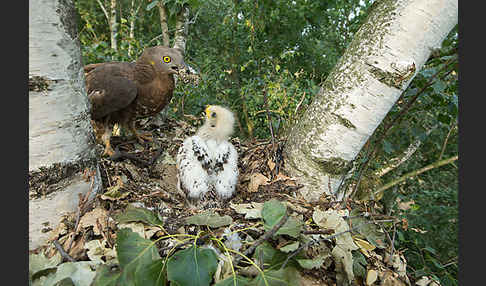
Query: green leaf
x,y
272,212
230,281
439,86
359,264
387,147
38,263
65,282
311,263
210,219
151,5
272,258
370,231
290,247
138,214
80,273
139,259
106,277
192,266
288,276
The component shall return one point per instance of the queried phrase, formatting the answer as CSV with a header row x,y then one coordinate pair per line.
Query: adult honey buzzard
x,y
120,92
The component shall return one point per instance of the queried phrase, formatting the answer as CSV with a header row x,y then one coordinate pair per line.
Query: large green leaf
x,y
272,213
271,257
138,214
40,263
106,277
288,276
140,262
234,281
79,273
193,266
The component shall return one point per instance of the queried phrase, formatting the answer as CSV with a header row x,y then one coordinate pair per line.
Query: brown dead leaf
x,y
256,180
405,205
270,164
404,223
59,231
89,219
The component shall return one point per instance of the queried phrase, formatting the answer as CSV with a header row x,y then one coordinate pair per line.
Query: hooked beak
x,y
208,111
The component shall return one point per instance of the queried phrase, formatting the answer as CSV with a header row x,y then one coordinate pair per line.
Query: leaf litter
x,y
139,230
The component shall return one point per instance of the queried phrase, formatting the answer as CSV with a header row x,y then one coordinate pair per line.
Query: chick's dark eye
x,y
213,114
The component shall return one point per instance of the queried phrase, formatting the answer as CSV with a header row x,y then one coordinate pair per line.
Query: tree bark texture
x,y
384,56
163,24
113,25
61,141
181,28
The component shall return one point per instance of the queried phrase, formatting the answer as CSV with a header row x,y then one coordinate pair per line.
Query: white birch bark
x,y
61,142
181,29
163,24
133,17
384,56
113,26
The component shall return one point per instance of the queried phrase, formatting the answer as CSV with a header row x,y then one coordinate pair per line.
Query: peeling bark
x,y
384,56
61,141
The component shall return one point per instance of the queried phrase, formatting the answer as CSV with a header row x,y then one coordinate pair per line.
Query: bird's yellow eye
x,y
166,59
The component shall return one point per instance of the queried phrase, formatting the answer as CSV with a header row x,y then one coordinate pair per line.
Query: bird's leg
x,y
141,137
106,140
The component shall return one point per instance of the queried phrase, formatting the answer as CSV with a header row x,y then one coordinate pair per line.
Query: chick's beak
x,y
208,111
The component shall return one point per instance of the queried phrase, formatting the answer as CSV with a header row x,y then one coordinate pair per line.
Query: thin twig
x,y
264,237
446,139
63,253
265,99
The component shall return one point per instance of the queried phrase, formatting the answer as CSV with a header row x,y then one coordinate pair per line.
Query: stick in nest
x,y
263,238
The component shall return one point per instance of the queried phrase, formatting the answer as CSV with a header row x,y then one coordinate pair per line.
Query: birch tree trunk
x,y
113,26
133,17
163,23
181,29
384,56
61,141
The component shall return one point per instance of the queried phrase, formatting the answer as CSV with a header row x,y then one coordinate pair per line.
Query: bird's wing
x,y
110,88
225,176
192,176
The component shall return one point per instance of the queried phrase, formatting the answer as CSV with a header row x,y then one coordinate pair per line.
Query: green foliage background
x,y
244,49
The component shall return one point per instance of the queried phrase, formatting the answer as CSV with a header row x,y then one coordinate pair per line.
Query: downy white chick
x,y
207,161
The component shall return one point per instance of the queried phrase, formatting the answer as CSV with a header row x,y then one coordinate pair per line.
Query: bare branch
x,y
446,139
417,172
104,11
264,237
407,154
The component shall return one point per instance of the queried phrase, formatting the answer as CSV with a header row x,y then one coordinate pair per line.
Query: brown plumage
x,y
121,92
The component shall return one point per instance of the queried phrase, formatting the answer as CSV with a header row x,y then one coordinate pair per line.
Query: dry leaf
x,y
270,164
371,277
89,219
364,246
405,205
251,211
256,180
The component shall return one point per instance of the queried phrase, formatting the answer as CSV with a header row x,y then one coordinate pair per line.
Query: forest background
x,y
254,56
